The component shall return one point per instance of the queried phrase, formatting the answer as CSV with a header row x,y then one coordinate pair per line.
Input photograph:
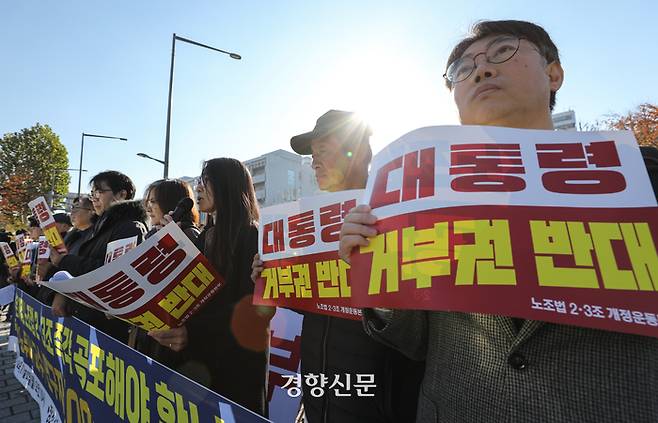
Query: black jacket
x,y
650,156
335,347
228,343
73,241
122,220
75,238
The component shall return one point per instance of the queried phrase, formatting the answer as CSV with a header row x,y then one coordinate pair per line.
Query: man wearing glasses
x,y
118,218
495,368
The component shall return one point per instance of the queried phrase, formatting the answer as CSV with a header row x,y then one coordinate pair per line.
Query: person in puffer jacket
x,y
118,218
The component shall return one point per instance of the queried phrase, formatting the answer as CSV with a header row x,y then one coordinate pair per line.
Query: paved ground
x,y
16,404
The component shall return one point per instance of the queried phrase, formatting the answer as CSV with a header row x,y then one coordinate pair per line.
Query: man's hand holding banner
x,y
543,225
298,242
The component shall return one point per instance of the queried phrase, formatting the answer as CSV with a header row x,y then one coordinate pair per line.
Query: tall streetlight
x,y
52,192
171,86
146,156
82,149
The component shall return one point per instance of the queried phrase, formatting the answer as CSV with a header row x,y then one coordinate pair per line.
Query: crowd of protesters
x,y
227,340
429,366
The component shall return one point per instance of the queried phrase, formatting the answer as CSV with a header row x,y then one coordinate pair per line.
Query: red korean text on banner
x,y
8,254
541,225
298,244
158,284
44,215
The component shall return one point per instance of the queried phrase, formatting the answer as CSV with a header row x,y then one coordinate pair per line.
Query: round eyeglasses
x,y
96,193
499,50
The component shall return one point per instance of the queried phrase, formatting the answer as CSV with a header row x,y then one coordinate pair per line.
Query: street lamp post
x,y
146,156
52,198
171,86
82,149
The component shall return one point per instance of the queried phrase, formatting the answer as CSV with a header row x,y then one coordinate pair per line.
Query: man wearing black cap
x,y
332,346
341,152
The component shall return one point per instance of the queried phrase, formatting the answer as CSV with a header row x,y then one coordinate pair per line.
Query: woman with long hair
x,y
225,345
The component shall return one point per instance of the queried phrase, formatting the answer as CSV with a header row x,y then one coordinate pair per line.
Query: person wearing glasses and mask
x,y
83,218
118,218
487,368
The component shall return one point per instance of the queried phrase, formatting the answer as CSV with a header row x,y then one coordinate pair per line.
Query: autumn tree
x,y
31,164
643,122
13,196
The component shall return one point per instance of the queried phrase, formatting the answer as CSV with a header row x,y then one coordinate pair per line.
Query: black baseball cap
x,y
350,128
62,218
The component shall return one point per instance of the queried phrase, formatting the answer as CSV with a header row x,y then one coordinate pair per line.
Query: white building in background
x,y
281,176
190,180
68,202
565,121
278,176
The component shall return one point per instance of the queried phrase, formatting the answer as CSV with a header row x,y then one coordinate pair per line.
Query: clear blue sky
x,y
103,67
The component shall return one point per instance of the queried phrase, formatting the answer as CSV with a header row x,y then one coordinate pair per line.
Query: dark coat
x,y
122,220
335,347
228,343
73,240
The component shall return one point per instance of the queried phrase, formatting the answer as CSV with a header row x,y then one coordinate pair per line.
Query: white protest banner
x,y
157,285
285,362
116,249
298,243
24,250
8,254
43,250
43,254
21,245
42,211
557,226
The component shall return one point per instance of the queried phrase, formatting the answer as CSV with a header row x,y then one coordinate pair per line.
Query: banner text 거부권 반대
x,y
298,243
542,225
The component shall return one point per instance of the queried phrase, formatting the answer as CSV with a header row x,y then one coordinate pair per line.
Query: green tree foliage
x,y
31,163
